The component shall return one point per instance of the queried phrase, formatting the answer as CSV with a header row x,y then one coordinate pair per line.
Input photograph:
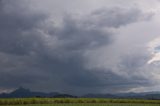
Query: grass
x,y
90,104
77,102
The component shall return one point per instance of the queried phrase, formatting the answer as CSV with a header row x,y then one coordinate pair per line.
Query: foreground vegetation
x,y
78,102
89,104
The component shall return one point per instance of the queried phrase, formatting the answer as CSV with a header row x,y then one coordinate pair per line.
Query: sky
x,y
80,46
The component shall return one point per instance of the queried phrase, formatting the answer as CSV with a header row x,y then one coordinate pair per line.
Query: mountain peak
x,y
21,90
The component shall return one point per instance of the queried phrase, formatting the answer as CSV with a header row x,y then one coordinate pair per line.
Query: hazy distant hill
x,y
143,95
25,93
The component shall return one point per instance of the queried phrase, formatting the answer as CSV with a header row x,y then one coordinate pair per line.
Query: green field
x,y
77,102
91,104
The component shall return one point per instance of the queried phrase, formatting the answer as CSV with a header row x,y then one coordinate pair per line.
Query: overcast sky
x,y
80,46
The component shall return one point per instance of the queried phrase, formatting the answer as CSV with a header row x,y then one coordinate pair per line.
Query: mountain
x,y
25,93
131,95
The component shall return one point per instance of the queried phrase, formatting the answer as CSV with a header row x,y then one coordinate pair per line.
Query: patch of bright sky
x,y
154,48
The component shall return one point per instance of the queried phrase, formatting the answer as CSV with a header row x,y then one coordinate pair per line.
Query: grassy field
x,y
90,104
77,102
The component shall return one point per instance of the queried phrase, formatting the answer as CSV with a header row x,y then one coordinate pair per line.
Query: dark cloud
x,y
15,22
36,54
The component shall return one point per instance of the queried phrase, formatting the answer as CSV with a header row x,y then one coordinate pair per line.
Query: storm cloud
x,y
77,56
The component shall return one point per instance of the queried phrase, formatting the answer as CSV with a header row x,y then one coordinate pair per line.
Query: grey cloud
x,y
42,56
112,18
13,24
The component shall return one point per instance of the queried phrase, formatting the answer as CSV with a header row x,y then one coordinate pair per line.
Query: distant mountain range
x,y
26,93
143,95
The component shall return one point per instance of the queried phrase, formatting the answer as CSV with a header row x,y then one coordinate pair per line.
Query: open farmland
x,y
77,102
90,104
84,104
